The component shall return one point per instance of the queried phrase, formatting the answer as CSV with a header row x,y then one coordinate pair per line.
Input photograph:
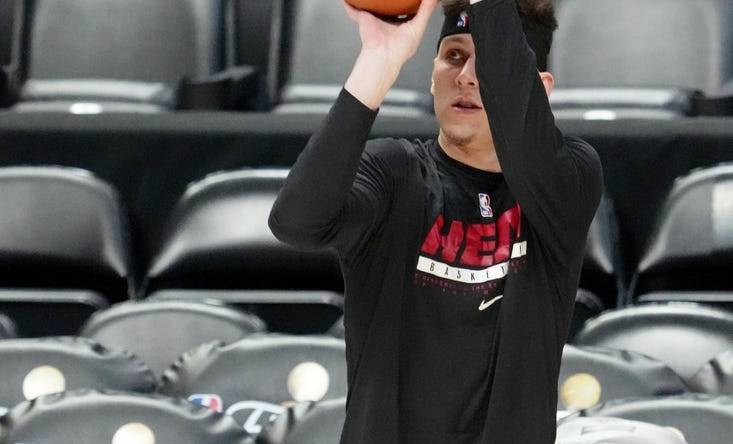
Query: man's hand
x,y
386,47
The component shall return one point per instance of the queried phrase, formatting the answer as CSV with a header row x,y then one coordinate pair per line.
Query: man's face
x,y
455,89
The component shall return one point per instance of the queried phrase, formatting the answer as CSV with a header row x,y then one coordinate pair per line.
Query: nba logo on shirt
x,y
484,204
212,402
462,20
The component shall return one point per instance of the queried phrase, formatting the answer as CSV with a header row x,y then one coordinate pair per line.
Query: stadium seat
x,y
7,327
63,233
100,417
627,59
715,377
90,56
691,247
160,331
702,419
603,273
316,60
591,375
219,246
307,423
35,367
683,336
254,379
598,430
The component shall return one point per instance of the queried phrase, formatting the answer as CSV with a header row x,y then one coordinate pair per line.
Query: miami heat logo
x,y
480,254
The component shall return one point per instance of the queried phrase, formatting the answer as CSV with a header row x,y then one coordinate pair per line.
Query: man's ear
x,y
549,81
432,86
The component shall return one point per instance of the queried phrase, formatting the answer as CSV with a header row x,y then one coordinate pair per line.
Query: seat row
x,y
88,56
627,363
67,239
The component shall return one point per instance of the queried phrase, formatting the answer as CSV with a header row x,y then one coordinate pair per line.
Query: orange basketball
x,y
387,7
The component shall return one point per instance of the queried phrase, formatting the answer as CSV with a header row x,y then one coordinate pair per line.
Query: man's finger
x,y
424,13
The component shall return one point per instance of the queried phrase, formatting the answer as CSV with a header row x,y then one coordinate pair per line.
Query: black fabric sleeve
x,y
341,186
557,181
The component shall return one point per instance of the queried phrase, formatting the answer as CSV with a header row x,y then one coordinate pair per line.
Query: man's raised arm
x,y
557,182
337,189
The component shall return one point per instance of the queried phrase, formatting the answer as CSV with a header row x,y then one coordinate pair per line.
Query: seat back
x,y
34,367
691,246
94,417
715,377
254,378
218,238
592,375
7,327
600,430
160,331
107,39
627,43
683,336
603,273
62,228
702,419
320,46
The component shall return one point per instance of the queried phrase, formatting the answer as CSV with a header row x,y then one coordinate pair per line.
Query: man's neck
x,y
482,158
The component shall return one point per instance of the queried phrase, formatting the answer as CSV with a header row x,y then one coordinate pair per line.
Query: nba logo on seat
x,y
484,203
212,402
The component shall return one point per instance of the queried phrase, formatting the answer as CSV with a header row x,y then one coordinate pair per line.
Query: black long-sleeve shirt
x,y
459,283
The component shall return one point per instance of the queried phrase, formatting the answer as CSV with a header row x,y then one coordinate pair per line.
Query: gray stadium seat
x,y
100,417
628,59
715,377
63,233
598,430
702,419
683,336
219,246
33,367
592,375
132,56
7,327
690,249
317,59
307,423
255,378
627,43
160,331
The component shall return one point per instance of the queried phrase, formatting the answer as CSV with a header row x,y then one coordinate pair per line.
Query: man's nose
x,y
467,76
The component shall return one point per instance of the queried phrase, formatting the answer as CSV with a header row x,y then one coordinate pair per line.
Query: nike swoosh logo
x,y
484,305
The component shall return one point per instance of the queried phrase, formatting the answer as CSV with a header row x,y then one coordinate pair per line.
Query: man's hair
x,y
538,21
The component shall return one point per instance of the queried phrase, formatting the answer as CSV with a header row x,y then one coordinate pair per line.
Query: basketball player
x,y
461,255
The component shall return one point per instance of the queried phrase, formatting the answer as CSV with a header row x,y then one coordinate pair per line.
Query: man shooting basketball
x,y
461,255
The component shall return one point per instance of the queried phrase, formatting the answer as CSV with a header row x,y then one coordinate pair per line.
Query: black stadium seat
x,y
254,379
101,417
702,419
219,246
625,58
683,336
592,375
317,59
690,251
7,327
34,367
160,331
105,55
715,377
67,247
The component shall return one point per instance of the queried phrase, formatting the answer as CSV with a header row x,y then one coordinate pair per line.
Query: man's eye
x,y
454,56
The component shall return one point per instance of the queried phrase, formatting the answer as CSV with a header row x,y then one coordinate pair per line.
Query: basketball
x,y
387,7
